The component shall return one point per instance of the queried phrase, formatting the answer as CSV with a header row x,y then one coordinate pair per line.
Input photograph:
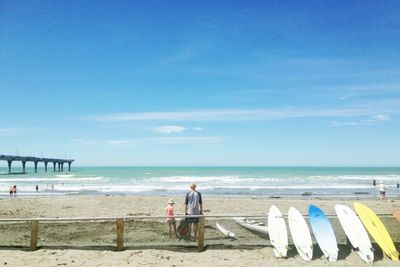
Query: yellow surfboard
x,y
377,230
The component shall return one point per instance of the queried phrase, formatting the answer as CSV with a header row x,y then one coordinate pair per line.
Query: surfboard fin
x,y
369,258
394,255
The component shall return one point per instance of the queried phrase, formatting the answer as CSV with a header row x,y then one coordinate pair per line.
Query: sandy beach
x,y
146,241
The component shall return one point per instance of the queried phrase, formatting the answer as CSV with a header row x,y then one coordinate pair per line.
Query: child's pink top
x,y
170,213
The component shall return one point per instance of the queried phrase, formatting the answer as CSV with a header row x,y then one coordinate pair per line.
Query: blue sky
x,y
313,83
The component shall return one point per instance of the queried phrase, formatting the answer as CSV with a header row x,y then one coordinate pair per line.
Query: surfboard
x,y
252,225
277,232
355,232
323,232
300,234
225,231
377,230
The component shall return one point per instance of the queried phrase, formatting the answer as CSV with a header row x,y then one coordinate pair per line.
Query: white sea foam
x,y
354,177
297,187
65,175
109,188
189,179
297,179
149,188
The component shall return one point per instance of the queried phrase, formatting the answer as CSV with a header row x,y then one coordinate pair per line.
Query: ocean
x,y
213,181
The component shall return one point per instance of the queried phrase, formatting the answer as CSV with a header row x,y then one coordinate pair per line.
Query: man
x,y
382,190
193,206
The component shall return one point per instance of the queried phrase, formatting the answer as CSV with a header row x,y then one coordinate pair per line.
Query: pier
x,y
56,162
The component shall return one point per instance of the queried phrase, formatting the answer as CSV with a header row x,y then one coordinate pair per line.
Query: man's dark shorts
x,y
192,220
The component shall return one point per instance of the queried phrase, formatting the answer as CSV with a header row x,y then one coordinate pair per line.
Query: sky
x,y
195,83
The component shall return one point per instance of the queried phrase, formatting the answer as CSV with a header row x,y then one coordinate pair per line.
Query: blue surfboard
x,y
323,232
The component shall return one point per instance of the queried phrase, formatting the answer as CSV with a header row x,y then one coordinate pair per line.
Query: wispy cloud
x,y
233,114
151,140
197,129
170,129
374,119
180,56
176,58
352,123
385,90
119,143
380,117
86,142
6,130
183,140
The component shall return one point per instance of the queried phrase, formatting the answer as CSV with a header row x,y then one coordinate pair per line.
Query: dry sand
x,y
146,241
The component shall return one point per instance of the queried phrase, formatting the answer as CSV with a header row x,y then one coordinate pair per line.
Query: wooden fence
x,y
120,224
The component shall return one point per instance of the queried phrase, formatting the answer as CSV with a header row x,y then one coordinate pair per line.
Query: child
x,y
170,217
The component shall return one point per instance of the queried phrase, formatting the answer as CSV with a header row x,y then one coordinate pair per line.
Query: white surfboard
x,y
300,234
252,225
355,232
323,232
277,232
225,231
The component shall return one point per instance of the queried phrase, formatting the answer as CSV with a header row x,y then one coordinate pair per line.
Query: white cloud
x,y
170,129
232,114
374,119
352,123
197,129
182,140
380,117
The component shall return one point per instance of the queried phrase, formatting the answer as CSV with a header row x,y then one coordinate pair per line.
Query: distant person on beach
x,y
15,190
193,206
382,191
11,189
37,188
169,212
374,182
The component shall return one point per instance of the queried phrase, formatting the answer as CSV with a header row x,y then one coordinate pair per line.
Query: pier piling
x,y
9,165
23,166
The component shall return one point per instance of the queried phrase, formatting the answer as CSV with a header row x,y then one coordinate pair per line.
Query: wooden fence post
x,y
120,234
200,237
34,235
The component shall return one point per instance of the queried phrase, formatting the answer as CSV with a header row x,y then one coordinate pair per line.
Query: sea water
x,y
214,181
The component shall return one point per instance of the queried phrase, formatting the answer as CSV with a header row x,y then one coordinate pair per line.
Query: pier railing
x,y
120,221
